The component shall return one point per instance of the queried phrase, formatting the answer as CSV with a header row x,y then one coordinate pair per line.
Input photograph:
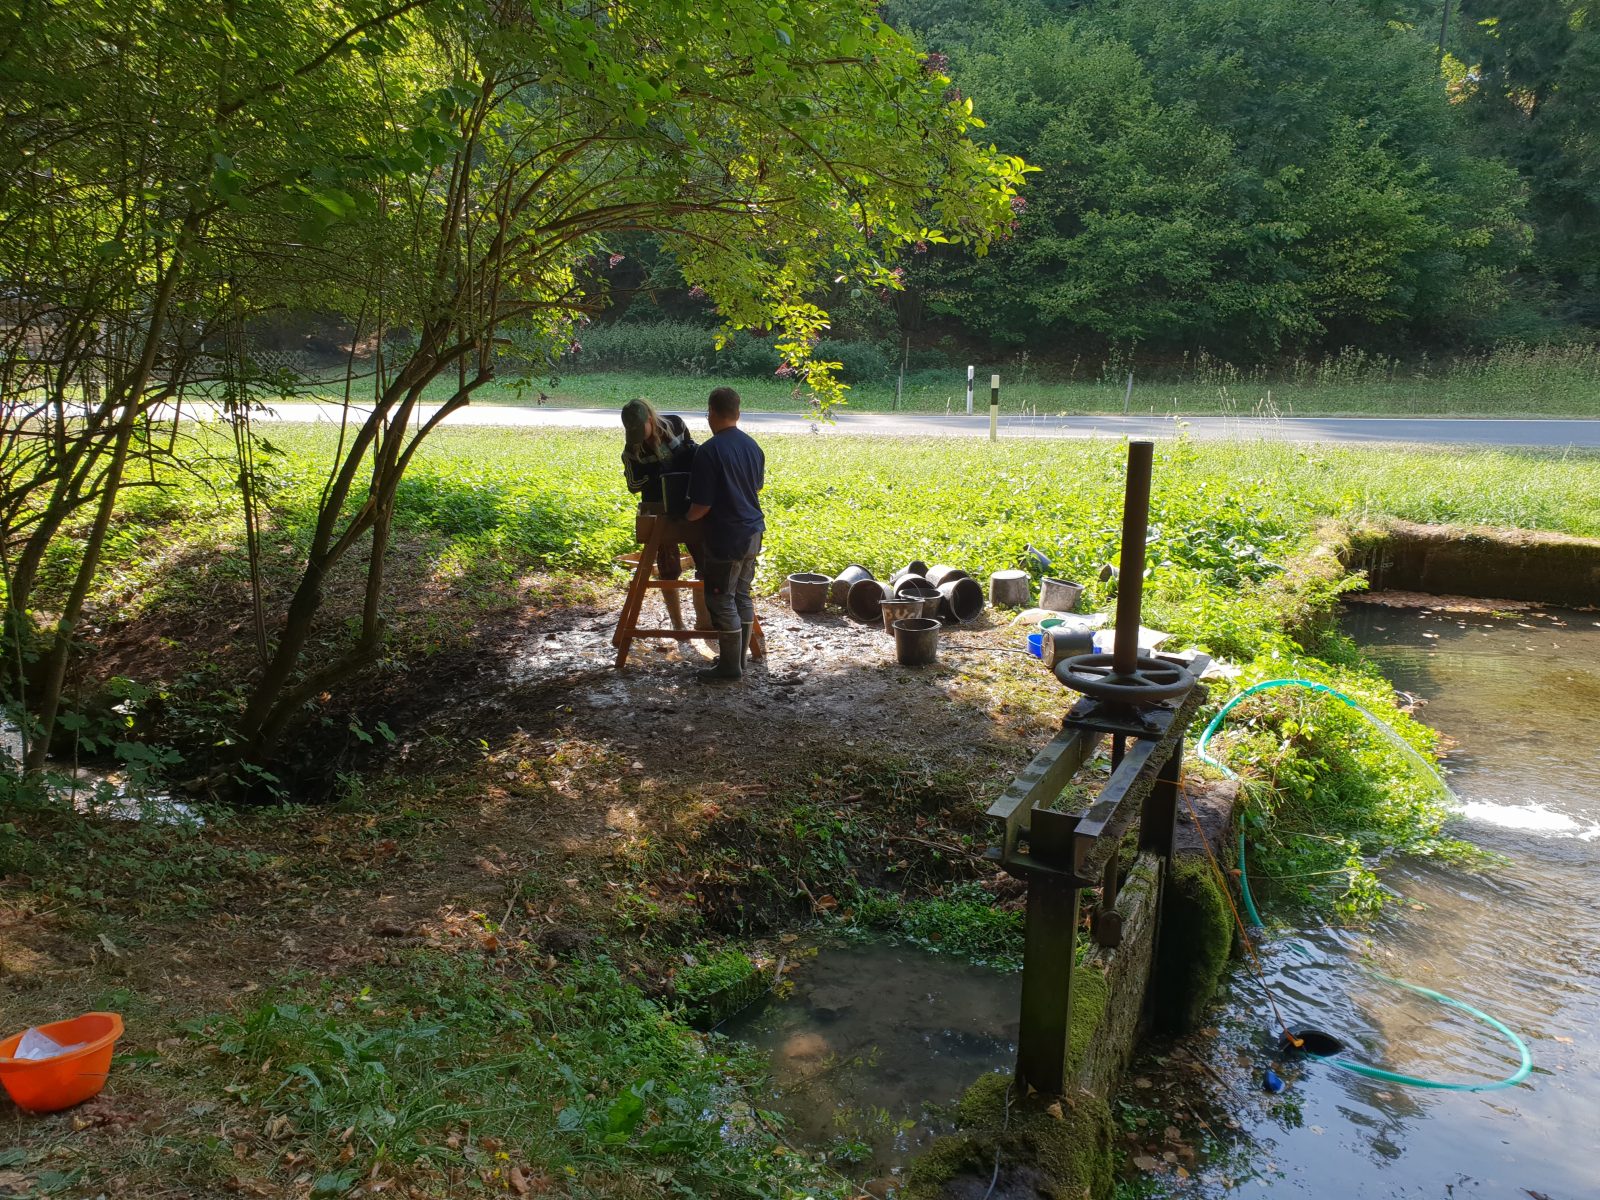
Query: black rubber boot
x,y
727,668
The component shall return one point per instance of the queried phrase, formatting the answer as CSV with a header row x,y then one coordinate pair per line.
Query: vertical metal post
x,y
1049,947
994,407
1127,396
1130,574
969,389
1158,821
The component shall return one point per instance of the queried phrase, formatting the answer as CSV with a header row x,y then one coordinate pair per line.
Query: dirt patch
x,y
830,688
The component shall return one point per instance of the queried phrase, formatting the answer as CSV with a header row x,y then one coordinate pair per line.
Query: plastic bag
x,y
36,1045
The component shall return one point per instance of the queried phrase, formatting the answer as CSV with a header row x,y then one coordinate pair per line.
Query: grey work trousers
x,y
728,584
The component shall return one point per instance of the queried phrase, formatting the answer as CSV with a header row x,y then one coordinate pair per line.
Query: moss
x,y
1196,940
1062,1150
1065,1151
1089,994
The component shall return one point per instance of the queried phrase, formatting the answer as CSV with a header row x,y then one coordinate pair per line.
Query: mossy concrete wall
x,y
1061,1147
1458,560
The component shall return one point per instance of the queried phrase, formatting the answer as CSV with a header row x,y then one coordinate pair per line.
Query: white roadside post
x,y
969,391
994,407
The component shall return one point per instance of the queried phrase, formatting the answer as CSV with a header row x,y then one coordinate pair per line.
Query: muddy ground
x,y
533,782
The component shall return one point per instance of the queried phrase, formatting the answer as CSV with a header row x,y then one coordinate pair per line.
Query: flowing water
x,y
874,1045
1519,699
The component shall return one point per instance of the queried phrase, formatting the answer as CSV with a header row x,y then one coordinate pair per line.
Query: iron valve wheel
x,y
1151,681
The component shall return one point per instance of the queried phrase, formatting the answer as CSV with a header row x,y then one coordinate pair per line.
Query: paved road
x,y
1581,434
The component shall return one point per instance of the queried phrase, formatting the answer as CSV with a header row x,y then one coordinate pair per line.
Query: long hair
x,y
639,415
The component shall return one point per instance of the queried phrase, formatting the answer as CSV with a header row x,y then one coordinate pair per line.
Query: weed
x,y
446,1069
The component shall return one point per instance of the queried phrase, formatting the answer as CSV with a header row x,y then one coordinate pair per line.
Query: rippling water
x,y
1520,700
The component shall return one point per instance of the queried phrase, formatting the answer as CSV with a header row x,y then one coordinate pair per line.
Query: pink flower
x,y
935,63
574,347
1018,204
614,260
919,247
953,95
697,292
784,371
898,274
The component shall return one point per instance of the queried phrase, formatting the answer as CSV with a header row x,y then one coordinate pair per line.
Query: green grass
x,y
1546,381
483,507
446,1069
1228,511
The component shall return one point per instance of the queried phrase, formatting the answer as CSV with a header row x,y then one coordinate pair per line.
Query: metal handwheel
x,y
1151,681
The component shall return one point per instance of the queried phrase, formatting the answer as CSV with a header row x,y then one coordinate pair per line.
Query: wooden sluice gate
x,y
1144,706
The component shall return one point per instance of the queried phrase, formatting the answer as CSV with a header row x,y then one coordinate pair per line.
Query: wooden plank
x,y
1049,937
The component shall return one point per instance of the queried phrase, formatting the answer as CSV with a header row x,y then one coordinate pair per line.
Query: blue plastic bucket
x,y
1036,644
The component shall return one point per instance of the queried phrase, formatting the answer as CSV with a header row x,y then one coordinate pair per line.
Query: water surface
x,y
1519,699
874,1045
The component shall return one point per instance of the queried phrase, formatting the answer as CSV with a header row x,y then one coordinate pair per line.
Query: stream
x,y
877,1040
1519,699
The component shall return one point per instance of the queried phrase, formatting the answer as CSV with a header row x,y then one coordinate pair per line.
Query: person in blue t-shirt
x,y
724,493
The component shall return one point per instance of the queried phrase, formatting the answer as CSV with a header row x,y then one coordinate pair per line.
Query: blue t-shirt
x,y
727,476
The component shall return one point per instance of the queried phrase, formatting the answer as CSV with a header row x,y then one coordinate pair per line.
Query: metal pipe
x,y
1130,573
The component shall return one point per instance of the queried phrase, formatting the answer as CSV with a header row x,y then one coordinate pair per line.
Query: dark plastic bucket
x,y
1313,1042
898,609
863,599
808,592
915,567
963,599
1010,589
941,575
843,580
905,582
932,598
916,641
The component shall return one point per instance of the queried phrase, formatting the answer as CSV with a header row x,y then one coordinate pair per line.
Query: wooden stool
x,y
643,580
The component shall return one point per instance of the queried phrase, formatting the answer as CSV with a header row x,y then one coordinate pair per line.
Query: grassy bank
x,y
470,971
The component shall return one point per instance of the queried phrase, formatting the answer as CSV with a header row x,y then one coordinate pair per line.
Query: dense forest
x,y
1256,178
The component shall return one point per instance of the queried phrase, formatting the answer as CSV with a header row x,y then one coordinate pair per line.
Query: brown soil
x,y
536,799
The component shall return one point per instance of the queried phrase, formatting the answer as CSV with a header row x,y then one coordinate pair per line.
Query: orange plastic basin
x,y
51,1084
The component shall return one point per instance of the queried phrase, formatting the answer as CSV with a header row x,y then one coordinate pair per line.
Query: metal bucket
x,y
1060,644
963,599
898,610
1059,595
863,599
941,575
915,567
843,580
808,593
916,641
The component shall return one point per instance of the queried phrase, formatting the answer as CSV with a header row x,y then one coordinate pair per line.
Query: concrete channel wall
x,y
1460,560
1176,941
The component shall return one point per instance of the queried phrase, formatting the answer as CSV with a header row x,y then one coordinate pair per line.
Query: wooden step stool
x,y
643,580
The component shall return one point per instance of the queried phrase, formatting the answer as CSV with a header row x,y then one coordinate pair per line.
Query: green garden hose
x,y
1524,1067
